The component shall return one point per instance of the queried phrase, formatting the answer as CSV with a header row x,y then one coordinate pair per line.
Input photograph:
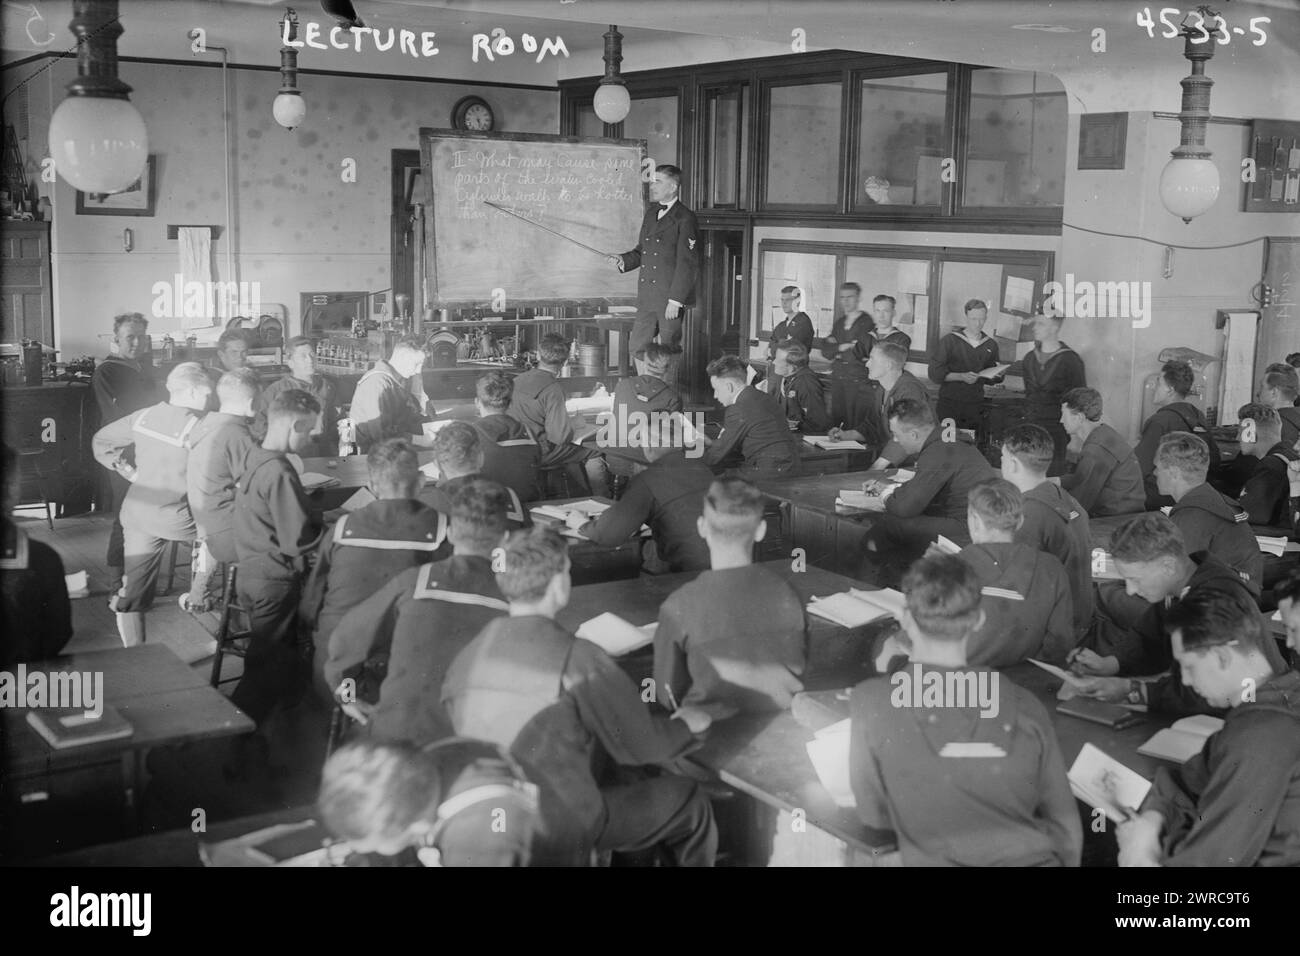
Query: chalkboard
x,y
587,189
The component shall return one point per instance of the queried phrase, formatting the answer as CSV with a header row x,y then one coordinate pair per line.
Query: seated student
x,y
650,391
538,403
219,446
1151,556
891,383
797,390
37,614
669,497
734,639
1237,802
300,356
389,401
1281,390
443,804
795,326
1028,610
1288,606
1209,521
959,785
755,440
458,451
1264,492
511,456
1054,521
155,510
1174,414
374,544
567,712
934,502
274,533
421,620
1107,479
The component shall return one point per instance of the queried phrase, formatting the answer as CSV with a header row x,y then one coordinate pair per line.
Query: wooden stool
x,y
226,636
29,472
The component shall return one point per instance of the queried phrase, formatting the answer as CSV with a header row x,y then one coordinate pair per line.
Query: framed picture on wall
x,y
136,200
1102,139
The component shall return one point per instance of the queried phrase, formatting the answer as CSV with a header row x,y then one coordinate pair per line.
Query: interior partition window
x,y
802,166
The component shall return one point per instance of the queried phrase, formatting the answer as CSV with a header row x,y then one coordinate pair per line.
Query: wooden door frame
x,y
402,160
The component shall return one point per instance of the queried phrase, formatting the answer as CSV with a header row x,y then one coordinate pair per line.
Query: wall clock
x,y
472,113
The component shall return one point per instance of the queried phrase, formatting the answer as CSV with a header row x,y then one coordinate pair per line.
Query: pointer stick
x,y
546,228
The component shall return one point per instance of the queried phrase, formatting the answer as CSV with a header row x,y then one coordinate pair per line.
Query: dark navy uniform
x,y
156,508
1290,424
511,456
875,428
755,439
669,497
1264,497
439,494
420,621
1009,806
219,448
1057,524
849,380
732,641
121,386
797,327
321,387
538,403
646,393
365,551
1215,523
668,255
802,398
1174,417
1028,610
894,336
1048,376
567,712
37,615
958,400
1107,479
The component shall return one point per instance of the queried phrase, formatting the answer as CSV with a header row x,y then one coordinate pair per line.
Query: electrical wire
x,y
1157,242
62,56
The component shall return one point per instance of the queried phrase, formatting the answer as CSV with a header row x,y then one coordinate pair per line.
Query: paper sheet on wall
x,y
194,244
913,277
1238,363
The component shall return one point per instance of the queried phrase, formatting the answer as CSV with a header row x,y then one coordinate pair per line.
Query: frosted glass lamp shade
x,y
1189,187
98,144
289,110
612,102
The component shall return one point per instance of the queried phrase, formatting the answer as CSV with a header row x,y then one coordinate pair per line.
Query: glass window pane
x,y
803,144
726,143
813,274
654,120
963,281
589,124
1016,155
901,140
904,279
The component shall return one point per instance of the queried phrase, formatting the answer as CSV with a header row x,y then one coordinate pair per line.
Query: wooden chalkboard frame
x,y
430,271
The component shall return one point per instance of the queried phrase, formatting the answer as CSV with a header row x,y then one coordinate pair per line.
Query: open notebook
x,y
824,442
591,508
1103,782
829,753
1183,740
1276,546
855,607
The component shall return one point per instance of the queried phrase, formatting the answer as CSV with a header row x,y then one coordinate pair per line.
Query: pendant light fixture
x,y
1189,183
612,102
289,107
98,139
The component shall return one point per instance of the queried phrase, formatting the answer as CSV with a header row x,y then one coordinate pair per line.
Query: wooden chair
x,y
30,474
227,636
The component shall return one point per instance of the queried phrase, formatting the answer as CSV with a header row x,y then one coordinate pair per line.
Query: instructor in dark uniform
x,y
667,254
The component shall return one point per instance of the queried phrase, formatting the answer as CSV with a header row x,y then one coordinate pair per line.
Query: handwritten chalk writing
x,y
500,44
410,42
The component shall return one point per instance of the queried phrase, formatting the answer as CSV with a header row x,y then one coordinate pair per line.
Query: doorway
x,y
716,323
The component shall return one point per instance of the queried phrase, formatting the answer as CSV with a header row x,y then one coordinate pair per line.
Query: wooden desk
x,y
166,702
830,535
591,563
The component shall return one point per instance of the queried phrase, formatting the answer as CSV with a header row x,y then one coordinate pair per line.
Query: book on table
x,y
1101,781
825,443
855,607
1276,545
1183,739
313,481
66,727
590,507
829,753
616,636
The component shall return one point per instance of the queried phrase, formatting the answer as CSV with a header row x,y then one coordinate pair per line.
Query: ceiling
x,y
1135,72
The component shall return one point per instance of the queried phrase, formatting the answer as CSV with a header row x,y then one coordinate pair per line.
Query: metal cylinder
x,y
591,360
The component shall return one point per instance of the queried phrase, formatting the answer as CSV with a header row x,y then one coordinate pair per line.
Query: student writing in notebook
x,y
1237,802
732,640
890,383
958,786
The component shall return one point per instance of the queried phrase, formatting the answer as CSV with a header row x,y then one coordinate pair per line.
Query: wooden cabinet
x,y
25,288
59,418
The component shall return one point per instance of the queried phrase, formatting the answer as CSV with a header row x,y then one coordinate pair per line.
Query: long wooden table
x,y
165,701
830,535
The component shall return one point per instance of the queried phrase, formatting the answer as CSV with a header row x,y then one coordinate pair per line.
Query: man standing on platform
x,y
123,383
667,253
